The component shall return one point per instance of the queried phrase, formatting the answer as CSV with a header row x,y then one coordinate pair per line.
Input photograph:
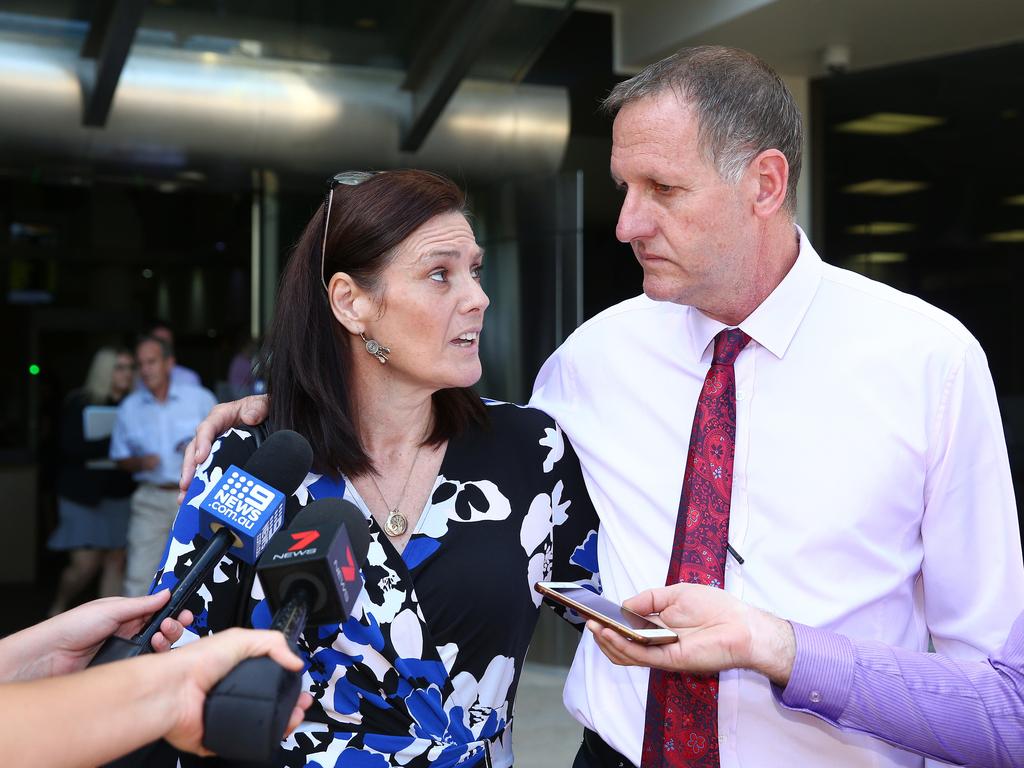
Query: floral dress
x,y
424,672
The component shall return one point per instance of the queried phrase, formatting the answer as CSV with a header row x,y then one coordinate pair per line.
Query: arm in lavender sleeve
x,y
965,712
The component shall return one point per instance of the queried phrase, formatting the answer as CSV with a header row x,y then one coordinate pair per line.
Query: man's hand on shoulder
x,y
250,410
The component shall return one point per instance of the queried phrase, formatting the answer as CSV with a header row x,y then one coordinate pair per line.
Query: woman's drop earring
x,y
375,348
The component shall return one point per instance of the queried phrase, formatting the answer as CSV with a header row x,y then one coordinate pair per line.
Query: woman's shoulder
x,y
233,447
509,417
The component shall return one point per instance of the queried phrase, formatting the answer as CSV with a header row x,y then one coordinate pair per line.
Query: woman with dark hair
x,y
371,357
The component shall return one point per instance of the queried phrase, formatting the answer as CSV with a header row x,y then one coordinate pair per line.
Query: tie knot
x,y
728,344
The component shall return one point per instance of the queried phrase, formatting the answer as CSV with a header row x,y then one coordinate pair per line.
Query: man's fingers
x,y
254,409
642,603
625,652
188,470
607,641
250,410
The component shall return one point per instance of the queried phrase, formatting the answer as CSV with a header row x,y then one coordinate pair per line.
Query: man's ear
x,y
771,170
350,304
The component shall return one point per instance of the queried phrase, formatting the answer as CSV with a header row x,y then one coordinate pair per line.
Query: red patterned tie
x,y
682,710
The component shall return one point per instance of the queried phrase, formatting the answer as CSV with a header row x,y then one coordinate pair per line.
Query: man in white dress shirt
x,y
871,489
153,426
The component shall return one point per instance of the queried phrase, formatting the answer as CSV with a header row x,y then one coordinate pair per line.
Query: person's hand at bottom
x,y
199,666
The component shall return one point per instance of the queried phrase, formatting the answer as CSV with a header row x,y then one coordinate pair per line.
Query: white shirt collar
x,y
775,321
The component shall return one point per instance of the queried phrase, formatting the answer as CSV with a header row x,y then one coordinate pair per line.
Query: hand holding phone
x,y
591,605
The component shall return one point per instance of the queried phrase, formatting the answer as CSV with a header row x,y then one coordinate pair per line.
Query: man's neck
x,y
777,248
161,392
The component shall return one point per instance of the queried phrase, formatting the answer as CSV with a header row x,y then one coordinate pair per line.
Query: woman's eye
x,y
440,275
477,271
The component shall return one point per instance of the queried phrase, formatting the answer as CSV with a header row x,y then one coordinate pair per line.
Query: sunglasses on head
x,y
349,179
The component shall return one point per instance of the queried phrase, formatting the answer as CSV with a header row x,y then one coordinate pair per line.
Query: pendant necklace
x,y
396,523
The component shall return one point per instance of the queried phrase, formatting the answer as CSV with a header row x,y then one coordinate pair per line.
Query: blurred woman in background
x,y
92,503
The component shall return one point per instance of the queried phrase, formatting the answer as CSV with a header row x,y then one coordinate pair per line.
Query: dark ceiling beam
x,y
110,37
443,59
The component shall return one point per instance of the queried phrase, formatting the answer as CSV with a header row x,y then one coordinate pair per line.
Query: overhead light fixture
x,y
1008,236
890,123
1014,200
879,257
881,228
885,187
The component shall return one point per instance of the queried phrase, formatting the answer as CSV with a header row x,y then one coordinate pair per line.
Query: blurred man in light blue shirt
x,y
153,426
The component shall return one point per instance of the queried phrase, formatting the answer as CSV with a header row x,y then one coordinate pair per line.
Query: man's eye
x,y
662,188
477,271
440,275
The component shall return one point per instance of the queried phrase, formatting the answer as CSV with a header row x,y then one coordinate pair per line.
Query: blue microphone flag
x,y
250,509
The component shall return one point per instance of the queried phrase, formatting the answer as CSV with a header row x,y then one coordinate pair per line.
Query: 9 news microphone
x,y
310,575
240,514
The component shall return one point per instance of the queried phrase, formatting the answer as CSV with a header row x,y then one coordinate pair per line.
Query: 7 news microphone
x,y
239,515
310,575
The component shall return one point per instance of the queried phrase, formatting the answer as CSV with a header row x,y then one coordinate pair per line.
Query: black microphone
x,y
240,513
310,575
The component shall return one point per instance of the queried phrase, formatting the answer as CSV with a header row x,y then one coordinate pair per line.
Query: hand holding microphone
x,y
239,515
310,575
107,711
67,642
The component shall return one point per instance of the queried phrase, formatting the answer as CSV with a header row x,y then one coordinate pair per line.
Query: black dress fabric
x,y
425,671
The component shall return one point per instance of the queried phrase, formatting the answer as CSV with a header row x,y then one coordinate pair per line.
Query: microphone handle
x,y
290,618
208,558
245,714
118,648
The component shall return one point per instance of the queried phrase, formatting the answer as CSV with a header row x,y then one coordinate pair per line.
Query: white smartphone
x,y
592,606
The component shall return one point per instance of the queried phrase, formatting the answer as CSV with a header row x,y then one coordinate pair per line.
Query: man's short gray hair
x,y
741,105
166,349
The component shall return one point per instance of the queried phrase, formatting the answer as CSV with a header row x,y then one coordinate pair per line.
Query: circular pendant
x,y
373,347
396,524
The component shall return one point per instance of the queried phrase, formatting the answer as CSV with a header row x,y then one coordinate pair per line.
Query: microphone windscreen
x,y
282,461
323,512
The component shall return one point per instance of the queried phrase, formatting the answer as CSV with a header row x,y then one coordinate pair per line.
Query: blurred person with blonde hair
x,y
92,504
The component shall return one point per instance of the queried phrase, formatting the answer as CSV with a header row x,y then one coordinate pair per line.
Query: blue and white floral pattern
x,y
425,671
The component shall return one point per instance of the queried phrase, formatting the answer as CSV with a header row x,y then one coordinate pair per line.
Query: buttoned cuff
x,y
822,673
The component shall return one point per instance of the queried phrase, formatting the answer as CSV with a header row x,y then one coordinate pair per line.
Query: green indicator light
x,y
33,369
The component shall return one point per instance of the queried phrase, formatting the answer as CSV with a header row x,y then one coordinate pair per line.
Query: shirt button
x,y
741,395
815,697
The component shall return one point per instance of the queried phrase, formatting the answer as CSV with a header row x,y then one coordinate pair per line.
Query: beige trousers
x,y
153,511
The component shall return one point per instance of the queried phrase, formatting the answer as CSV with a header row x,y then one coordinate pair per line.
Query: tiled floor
x,y
545,735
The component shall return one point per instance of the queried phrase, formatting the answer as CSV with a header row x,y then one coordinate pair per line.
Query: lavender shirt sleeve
x,y
968,713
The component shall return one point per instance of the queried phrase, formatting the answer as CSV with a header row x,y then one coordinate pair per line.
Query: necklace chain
x,y
396,523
